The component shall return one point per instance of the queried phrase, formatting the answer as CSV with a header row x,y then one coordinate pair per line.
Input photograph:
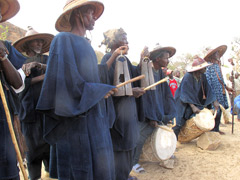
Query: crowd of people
x,y
74,117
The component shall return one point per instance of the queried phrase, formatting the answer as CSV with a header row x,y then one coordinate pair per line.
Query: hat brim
x,y
63,25
9,8
199,67
47,39
221,49
155,52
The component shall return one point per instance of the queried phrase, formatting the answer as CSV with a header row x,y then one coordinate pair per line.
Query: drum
x,y
197,125
159,146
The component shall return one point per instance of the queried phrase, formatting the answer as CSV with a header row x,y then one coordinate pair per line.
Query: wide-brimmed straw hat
x,y
198,63
221,50
63,22
9,8
157,50
30,35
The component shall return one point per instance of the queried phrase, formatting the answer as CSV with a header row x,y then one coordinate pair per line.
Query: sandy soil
x,y
192,163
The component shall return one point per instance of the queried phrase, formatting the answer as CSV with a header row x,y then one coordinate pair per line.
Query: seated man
x,y
194,94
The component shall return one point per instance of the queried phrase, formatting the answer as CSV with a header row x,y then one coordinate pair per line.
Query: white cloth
x,y
23,76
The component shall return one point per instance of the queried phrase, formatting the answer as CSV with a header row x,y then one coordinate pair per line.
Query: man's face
x,y
36,45
89,19
164,60
202,71
216,56
236,75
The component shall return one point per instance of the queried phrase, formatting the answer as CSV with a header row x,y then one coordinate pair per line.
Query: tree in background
x,y
235,48
4,32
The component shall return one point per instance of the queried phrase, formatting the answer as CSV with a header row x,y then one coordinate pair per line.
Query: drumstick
x,y
165,128
130,81
157,83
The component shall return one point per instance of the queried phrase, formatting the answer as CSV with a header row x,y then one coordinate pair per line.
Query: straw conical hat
x,y
221,49
157,50
30,35
63,22
9,8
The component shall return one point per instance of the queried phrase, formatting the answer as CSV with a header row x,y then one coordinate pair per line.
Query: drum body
x,y
197,125
159,146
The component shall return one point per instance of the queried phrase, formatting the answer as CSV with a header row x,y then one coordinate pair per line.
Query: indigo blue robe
x,y
190,91
159,104
8,161
72,99
124,132
32,120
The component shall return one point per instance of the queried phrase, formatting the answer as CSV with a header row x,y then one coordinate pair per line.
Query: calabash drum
x,y
197,125
159,146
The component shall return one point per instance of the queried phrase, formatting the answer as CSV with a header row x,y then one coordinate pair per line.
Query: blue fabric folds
x,y
72,99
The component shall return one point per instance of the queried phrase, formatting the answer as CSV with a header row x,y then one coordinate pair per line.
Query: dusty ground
x,y
192,163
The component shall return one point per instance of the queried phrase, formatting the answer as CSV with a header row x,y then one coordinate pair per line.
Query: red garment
x,y
173,86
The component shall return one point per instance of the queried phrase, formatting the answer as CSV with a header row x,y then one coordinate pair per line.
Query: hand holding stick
x,y
10,126
157,83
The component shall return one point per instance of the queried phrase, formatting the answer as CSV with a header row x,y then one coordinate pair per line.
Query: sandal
x,y
137,168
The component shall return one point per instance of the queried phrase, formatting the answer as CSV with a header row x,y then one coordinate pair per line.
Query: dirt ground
x,y
193,163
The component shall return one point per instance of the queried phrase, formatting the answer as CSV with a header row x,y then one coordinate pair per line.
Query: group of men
x,y
72,116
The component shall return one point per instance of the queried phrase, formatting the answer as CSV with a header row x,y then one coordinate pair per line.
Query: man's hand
x,y
111,92
137,92
122,50
229,89
153,123
3,50
195,109
145,52
27,67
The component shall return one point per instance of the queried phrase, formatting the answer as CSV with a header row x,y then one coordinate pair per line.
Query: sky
x,y
187,25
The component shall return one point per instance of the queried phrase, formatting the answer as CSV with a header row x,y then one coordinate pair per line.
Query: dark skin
x,y
197,75
158,63
34,47
12,75
83,21
121,47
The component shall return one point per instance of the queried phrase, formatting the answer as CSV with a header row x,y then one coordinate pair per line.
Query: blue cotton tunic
x,y
216,85
191,92
125,129
8,162
72,99
159,104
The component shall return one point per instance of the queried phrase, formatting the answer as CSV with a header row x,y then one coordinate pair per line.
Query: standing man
x,y
216,81
34,44
158,105
72,98
172,82
10,61
124,131
194,94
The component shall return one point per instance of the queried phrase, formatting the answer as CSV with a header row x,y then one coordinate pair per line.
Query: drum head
x,y
205,120
165,143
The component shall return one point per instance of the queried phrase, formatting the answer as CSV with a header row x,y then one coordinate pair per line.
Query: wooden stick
x,y
130,81
10,126
156,83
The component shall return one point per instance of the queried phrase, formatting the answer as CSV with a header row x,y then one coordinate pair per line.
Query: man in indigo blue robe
x,y
34,44
124,132
12,80
158,105
72,98
194,94
216,81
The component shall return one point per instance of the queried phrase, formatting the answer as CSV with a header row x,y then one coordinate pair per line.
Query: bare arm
x,y
38,79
